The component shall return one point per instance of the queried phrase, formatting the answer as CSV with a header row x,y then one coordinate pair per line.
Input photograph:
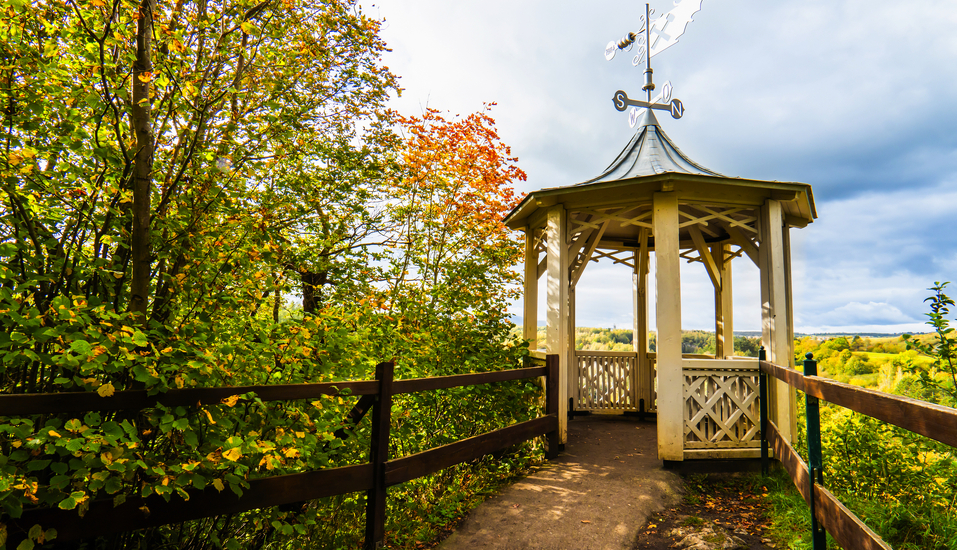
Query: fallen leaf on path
x,y
585,521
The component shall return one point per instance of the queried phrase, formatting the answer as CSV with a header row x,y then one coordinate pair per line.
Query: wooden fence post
x,y
379,454
814,458
551,403
763,391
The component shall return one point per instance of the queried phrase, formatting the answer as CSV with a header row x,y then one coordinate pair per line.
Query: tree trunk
x,y
312,290
143,161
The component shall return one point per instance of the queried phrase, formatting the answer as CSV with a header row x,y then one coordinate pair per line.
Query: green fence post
x,y
814,458
763,396
378,455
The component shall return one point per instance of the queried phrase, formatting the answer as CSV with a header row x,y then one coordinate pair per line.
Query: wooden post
x,y
530,316
670,377
573,385
723,305
763,396
815,461
556,341
551,402
643,377
792,394
775,331
379,454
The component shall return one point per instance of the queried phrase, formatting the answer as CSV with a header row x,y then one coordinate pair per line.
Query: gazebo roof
x,y
651,163
650,152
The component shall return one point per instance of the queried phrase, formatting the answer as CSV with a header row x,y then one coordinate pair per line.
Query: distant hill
x,y
519,320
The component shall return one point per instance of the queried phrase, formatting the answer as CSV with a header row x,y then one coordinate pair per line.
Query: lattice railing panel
x,y
607,382
721,409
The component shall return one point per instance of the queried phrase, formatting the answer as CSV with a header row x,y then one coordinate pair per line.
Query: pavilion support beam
x,y
530,314
668,279
775,331
723,304
706,258
590,245
556,340
644,378
739,238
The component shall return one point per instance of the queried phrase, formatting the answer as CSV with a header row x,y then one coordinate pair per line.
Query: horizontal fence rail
x,y
69,402
928,419
374,477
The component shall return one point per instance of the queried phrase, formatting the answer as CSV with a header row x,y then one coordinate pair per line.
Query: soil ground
x,y
608,491
596,495
730,503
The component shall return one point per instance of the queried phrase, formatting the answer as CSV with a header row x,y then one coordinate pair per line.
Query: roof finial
x,y
666,29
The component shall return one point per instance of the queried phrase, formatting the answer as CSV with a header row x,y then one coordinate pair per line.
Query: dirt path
x,y
597,495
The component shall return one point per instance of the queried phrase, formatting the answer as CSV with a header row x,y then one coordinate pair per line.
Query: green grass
x,y
790,515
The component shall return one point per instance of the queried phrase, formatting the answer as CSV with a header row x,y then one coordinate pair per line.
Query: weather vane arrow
x,y
654,37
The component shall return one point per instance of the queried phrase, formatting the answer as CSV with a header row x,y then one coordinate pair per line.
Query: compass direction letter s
x,y
620,100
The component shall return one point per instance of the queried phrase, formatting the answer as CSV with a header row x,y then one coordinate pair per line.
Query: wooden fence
x,y
374,477
827,512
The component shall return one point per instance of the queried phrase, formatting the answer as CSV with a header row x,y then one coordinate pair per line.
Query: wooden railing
x,y
607,380
827,512
721,408
374,477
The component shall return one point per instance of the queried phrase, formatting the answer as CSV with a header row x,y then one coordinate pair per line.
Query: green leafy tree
x,y
169,173
943,349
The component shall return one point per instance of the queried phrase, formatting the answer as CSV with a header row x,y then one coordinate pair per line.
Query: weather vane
x,y
653,38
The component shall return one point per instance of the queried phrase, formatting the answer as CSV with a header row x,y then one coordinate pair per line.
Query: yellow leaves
x,y
290,452
218,484
209,416
53,434
16,157
178,380
106,390
247,27
233,454
317,404
98,3
230,401
176,46
145,77
106,457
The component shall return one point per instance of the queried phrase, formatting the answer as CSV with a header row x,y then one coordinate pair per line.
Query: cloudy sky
x,y
856,97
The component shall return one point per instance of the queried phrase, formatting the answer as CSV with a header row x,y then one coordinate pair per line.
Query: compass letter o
x,y
677,108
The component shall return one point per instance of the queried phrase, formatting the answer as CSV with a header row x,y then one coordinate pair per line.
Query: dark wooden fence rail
x,y
928,419
374,478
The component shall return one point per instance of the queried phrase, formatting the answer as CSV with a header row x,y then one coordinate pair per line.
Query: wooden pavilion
x,y
652,198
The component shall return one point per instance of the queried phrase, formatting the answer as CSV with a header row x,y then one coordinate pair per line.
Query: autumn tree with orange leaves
x,y
453,255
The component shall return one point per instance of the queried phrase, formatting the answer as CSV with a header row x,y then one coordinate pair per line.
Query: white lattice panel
x,y
607,381
721,408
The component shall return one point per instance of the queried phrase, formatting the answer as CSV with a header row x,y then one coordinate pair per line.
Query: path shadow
x,y
596,495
